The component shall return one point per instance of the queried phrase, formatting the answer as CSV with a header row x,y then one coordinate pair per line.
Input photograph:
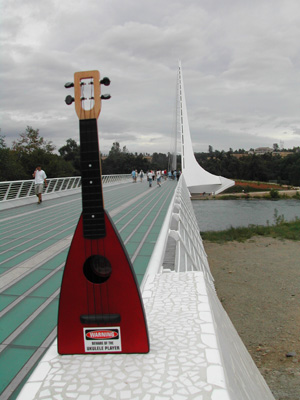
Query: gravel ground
x,y
258,283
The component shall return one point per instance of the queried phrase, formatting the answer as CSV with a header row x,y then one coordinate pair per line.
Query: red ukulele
x,y
100,307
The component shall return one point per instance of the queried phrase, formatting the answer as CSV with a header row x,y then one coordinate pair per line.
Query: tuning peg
x,y
69,100
68,85
105,96
105,81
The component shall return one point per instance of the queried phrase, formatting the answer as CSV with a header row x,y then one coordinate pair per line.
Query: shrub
x,y
274,194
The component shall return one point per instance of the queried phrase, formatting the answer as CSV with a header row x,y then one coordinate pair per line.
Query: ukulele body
x,y
119,295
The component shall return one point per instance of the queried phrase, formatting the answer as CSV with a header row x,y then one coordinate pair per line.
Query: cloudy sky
x,y
240,60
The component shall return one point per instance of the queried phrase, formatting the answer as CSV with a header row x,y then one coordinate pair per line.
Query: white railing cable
x,y
15,190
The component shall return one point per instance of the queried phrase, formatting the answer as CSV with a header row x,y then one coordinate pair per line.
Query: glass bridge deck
x,y
34,244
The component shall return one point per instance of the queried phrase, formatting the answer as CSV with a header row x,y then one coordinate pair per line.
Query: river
x,y
216,215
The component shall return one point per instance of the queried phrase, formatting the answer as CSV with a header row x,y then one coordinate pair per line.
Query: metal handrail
x,y
14,190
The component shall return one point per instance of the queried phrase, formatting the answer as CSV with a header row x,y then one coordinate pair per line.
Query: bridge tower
x,y
197,179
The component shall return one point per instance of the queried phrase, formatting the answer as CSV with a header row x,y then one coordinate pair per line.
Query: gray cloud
x,y
240,63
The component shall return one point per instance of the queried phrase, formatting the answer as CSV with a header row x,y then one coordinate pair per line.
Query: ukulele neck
x,y
92,193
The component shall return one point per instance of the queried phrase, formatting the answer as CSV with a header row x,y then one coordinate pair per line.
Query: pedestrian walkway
x,y
34,244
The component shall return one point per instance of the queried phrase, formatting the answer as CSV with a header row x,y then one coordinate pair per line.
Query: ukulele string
x,y
87,282
90,100
100,245
102,286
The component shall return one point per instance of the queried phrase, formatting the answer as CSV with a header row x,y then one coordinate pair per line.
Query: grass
x,y
282,229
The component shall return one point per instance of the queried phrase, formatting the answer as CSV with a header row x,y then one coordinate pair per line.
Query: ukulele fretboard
x,y
92,195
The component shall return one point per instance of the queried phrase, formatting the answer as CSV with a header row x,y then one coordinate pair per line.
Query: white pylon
x,y
197,179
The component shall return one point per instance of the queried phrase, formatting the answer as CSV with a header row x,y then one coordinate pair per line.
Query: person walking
x,y
141,175
158,178
150,176
39,181
133,174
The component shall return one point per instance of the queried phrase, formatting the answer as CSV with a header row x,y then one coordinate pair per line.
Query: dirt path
x,y
258,283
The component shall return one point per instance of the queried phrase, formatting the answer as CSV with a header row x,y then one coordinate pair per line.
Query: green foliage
x,y
56,166
2,141
242,189
281,229
10,167
32,149
122,162
278,219
30,140
274,194
71,153
52,164
159,161
290,167
29,151
297,196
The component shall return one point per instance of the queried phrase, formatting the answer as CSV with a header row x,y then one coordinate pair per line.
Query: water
x,y
215,215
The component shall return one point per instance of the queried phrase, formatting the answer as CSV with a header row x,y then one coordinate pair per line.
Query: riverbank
x,y
282,193
281,229
257,282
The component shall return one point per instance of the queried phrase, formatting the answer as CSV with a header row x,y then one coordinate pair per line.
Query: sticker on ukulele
x,y
102,340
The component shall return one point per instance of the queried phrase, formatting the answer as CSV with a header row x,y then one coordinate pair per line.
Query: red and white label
x,y
102,340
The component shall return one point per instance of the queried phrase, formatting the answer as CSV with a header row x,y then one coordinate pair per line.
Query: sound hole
x,y
97,269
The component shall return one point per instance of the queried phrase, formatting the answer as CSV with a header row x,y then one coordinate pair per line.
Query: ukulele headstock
x,y
87,94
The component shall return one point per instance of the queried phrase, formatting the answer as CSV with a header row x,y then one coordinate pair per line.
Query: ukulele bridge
x,y
100,319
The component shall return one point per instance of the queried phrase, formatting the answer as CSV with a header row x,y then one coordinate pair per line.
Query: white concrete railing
x,y
179,257
15,190
180,236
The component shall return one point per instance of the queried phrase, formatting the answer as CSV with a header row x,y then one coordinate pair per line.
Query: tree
x,y
159,161
71,152
123,162
32,149
30,140
115,149
56,166
290,168
2,141
10,168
